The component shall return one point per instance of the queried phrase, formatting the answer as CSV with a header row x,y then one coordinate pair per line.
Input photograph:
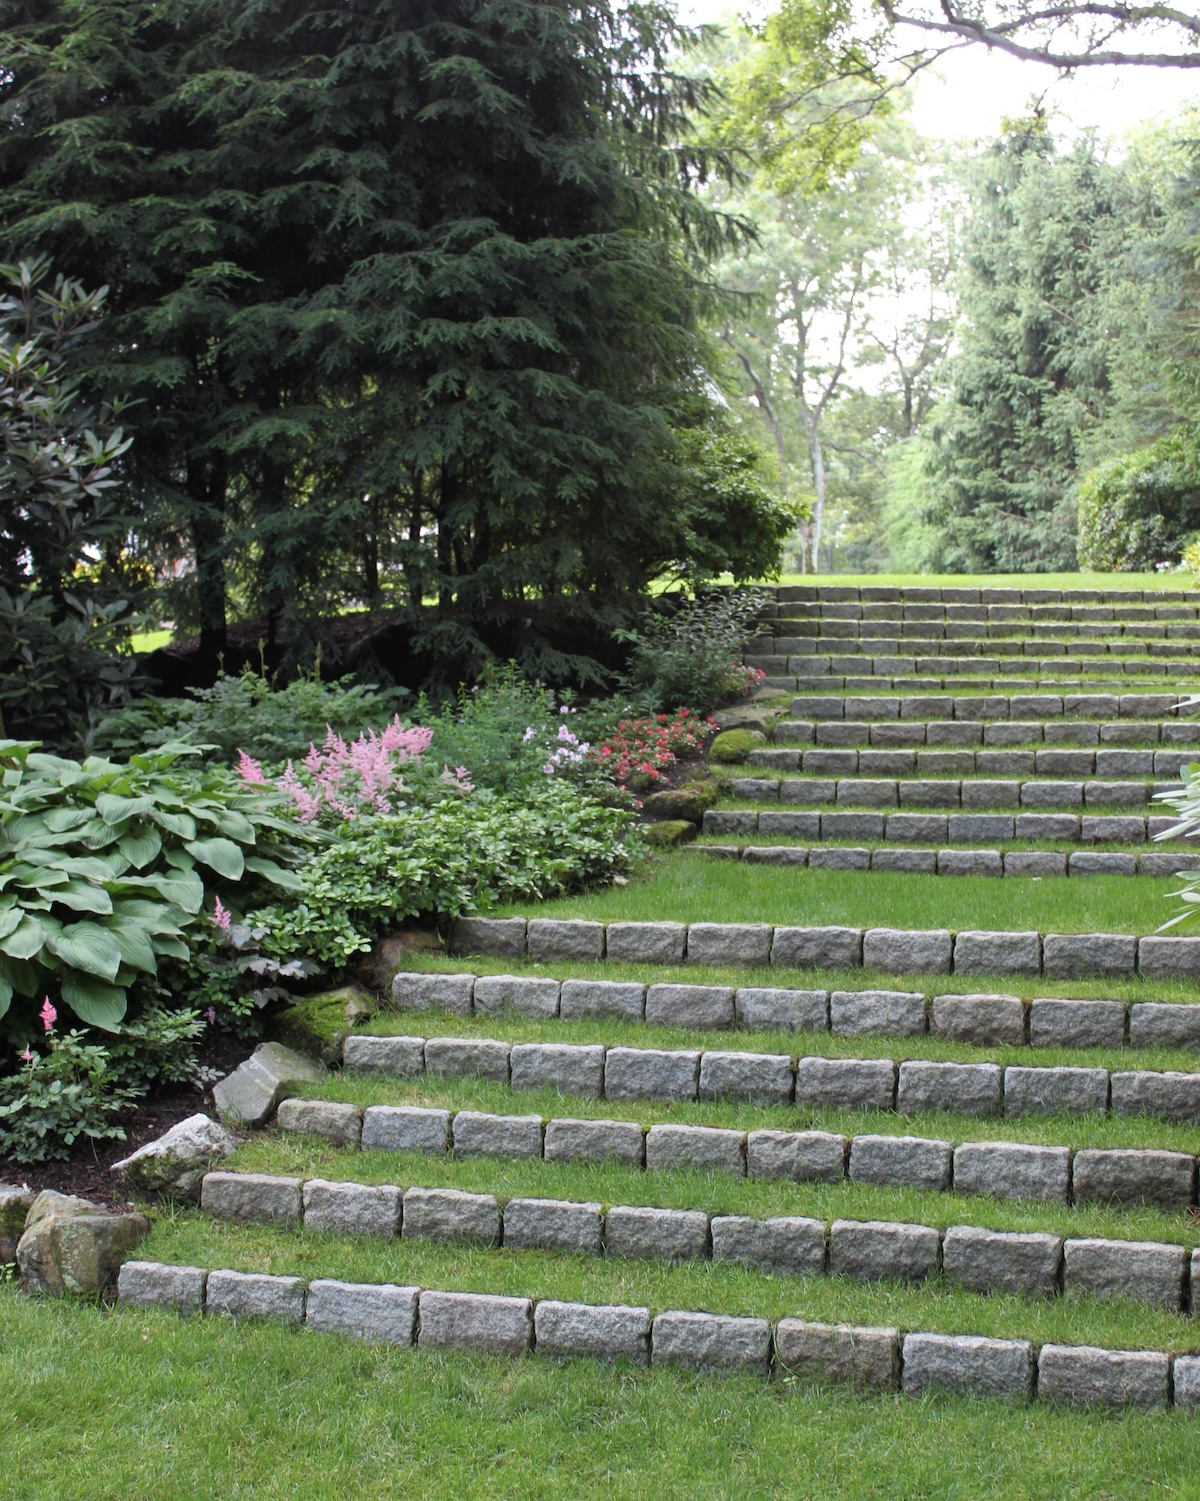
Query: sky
x,y
975,89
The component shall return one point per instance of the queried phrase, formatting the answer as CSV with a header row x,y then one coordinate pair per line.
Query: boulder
x,y
249,1095
72,1246
733,746
689,802
670,832
172,1166
15,1204
316,1024
375,970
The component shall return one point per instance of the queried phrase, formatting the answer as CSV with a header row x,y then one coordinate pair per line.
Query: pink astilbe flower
x,y
210,1015
26,1056
48,1015
250,771
222,917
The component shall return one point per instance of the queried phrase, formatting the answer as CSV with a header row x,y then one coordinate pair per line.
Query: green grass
x,y
148,641
1160,581
113,1406
682,888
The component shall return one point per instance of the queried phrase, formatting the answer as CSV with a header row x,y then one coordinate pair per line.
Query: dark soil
x,y
88,1171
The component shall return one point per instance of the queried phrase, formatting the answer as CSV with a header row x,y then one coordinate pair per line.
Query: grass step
x,y
975,1258
1052,762
1100,706
1030,830
1021,864
910,734
976,793
791,654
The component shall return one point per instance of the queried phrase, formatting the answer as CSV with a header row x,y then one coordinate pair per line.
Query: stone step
x,y
983,622
895,951
1016,680
906,1086
847,661
934,641
976,793
1054,761
851,594
981,1020
982,1261
769,826
1026,864
869,1360
887,731
980,708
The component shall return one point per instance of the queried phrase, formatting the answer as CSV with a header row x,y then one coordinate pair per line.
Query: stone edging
x,y
898,951
881,1360
1035,1265
909,1087
956,862
1005,1170
977,794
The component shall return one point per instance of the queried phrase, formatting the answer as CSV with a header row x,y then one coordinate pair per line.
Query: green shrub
x,y
104,870
248,713
61,1094
689,657
1135,510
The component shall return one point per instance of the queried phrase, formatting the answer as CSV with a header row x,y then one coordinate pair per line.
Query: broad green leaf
x,y
233,825
140,849
134,942
182,825
10,920
186,889
113,809
154,917
80,896
278,875
174,948
88,947
25,941
94,1002
23,976
221,855
60,820
6,995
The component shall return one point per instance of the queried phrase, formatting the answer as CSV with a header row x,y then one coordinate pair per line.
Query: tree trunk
x,y
818,517
206,486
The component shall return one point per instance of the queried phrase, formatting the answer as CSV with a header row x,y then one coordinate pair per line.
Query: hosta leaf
x,y
6,995
174,948
140,849
221,855
134,942
233,825
278,875
59,820
94,1002
20,974
25,941
88,947
182,825
81,896
113,809
10,920
154,917
186,889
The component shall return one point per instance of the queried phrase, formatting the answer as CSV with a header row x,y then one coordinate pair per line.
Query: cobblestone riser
x,y
878,664
942,828
982,794
797,654
893,733
870,1359
969,623
1054,762
1013,680
895,951
909,1087
1028,1265
978,708
983,1020
1002,1170
958,862
874,594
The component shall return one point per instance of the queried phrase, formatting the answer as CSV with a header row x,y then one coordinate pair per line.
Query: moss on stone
x,y
670,832
317,1024
733,746
688,802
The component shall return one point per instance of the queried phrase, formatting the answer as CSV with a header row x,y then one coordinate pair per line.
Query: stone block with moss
x,y
733,746
689,802
671,831
316,1024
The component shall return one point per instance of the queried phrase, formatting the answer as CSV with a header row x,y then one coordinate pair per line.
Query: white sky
x,y
976,88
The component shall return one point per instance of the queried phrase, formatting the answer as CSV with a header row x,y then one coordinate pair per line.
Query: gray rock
x,y
150,1284
595,1141
351,1209
254,1295
258,1197
1057,1023
799,1156
552,1225
1119,1176
981,793
646,942
840,1354
328,1119
1113,829
839,859
1166,865
1099,794
886,1013
763,1077
916,828
584,1329
720,944
15,1204
981,1019
468,1058
171,1166
875,1251
381,1313
638,1234
1164,1024
984,953
1082,1376
598,1000
788,1246
477,1134
1080,956
901,1162
846,1083
1186,1379
72,1247
1146,1271
695,1149
788,825
969,1366
770,854
524,994
702,1008
498,937
1047,826
1051,794
250,1095
1170,1096
995,1261
475,1321
1055,1091
899,952
402,1057
965,1088
768,1010
711,1343
1010,1170
817,948
970,863
976,828
905,862
1169,958
1034,863
551,939
559,1065
651,1074
448,1214
1101,863
929,794
406,1128
431,992
730,821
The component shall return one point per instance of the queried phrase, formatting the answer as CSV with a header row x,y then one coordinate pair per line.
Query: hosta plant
x,y
109,871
